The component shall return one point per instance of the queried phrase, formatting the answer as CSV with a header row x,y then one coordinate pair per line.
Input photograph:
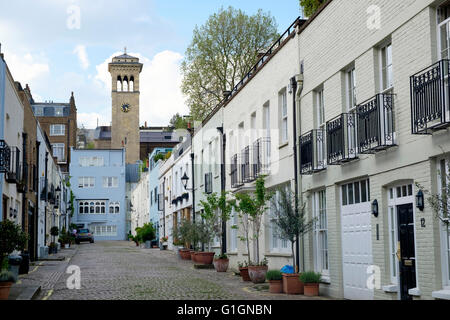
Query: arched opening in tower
x,y
125,84
119,83
131,86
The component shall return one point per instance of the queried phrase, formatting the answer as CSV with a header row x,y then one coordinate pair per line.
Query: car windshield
x,y
84,230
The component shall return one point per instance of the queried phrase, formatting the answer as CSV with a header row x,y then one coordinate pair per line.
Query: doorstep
x,y
21,292
442,294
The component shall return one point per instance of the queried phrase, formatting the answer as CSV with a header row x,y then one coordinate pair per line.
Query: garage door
x,y
356,239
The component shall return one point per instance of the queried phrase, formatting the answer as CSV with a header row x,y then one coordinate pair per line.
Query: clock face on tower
x,y
125,108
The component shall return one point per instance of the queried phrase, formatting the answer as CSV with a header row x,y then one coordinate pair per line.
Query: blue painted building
x,y
154,173
98,183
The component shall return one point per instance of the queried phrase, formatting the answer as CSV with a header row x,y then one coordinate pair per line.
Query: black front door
x,y
407,250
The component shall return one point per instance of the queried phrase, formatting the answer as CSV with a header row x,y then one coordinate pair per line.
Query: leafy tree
x,y
90,146
159,156
311,6
290,224
146,233
11,238
254,206
217,210
178,122
221,53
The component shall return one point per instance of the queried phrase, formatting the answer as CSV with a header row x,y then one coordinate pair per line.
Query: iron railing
x,y
208,183
312,152
376,130
5,157
261,157
430,93
247,170
341,139
14,172
235,172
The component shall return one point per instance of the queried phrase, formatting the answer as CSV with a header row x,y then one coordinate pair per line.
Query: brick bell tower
x,y
125,71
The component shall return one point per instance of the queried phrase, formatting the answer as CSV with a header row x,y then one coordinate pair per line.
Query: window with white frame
x,y
105,231
355,193
58,151
114,207
91,161
234,231
444,181
320,125
59,112
86,182
282,98
277,245
38,111
57,129
110,182
387,76
444,31
351,90
92,207
320,244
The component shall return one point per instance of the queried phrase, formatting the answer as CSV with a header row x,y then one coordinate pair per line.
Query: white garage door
x,y
356,239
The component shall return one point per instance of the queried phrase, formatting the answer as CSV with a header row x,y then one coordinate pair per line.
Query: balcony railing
x,y
247,170
14,172
376,130
261,157
341,139
5,157
208,183
235,172
312,152
430,92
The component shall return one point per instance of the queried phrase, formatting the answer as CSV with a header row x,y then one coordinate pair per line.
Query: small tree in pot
x,y
146,234
54,232
11,238
290,224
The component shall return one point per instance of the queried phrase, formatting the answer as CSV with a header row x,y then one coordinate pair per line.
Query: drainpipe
x,y
46,197
25,179
2,119
191,131
36,210
297,89
222,182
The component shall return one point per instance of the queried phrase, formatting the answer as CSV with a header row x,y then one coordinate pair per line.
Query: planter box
x,y
205,257
276,286
257,273
292,284
311,289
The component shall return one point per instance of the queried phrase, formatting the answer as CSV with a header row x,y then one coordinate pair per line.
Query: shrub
x,y
221,257
7,276
54,231
146,233
310,277
11,238
274,275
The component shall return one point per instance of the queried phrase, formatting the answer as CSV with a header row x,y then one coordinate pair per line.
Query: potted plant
x,y
216,212
275,279
290,223
243,270
311,281
146,234
11,238
221,263
257,271
7,279
253,206
53,248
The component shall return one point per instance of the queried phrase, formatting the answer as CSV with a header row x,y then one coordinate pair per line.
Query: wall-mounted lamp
x,y
420,203
375,208
185,180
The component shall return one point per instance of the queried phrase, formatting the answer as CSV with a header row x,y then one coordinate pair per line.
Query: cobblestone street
x,y
122,271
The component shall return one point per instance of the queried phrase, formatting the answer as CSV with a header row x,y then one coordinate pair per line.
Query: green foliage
x,y
221,257
7,276
311,6
310,277
54,231
263,263
178,122
290,224
221,53
217,210
146,233
274,275
251,208
243,264
11,238
90,146
159,156
168,155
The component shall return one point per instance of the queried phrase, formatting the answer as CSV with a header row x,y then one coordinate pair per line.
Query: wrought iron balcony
x,y
261,157
5,157
430,93
247,170
14,172
208,183
341,139
235,172
376,130
313,152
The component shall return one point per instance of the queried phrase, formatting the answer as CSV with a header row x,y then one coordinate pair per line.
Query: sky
x,y
60,46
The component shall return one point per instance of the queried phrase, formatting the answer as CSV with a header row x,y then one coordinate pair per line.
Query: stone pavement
x,y
122,271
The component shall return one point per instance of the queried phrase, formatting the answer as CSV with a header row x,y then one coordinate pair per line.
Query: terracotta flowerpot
x,y
292,284
5,287
221,265
311,289
192,253
185,254
276,286
244,274
205,258
257,273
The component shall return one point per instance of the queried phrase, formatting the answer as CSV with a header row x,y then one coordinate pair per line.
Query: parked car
x,y
84,235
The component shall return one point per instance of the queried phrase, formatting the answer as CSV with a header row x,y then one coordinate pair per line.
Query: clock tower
x,y
125,71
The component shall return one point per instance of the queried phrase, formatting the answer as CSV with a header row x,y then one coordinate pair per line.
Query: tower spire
x,y
125,50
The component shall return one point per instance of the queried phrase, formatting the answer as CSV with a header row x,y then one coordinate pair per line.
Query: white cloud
x,y
160,86
26,68
80,51
89,120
